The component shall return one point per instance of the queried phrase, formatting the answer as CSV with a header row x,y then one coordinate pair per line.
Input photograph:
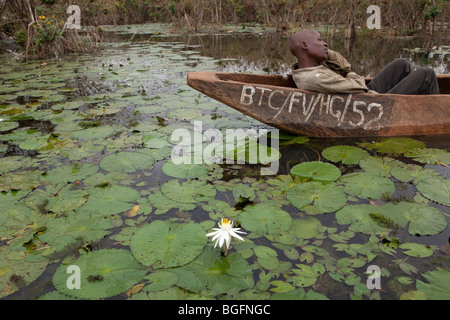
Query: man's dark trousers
x,y
398,78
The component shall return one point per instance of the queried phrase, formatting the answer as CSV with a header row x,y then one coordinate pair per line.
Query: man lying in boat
x,y
323,70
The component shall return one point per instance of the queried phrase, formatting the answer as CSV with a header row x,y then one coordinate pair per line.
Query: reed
x,y
399,18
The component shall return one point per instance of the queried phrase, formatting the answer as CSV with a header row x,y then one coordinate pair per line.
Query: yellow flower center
x,y
225,223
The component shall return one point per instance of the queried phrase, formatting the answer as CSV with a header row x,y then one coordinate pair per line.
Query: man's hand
x,y
337,63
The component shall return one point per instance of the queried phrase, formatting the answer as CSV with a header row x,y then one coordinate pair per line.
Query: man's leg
x,y
390,76
420,81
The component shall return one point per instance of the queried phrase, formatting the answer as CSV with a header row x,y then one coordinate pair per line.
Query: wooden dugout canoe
x,y
276,101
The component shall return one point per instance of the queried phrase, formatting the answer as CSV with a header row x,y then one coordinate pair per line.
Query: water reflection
x,y
269,52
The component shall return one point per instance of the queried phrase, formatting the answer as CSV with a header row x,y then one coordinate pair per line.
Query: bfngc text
x,y
234,309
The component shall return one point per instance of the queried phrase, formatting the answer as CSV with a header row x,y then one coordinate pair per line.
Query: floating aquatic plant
x,y
162,244
315,197
344,154
103,273
316,171
393,145
224,233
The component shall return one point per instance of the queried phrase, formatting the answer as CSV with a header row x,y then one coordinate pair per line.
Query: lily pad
x,y
346,154
56,201
112,200
104,273
79,228
214,272
160,280
26,180
191,191
13,163
367,186
324,198
436,189
424,220
16,272
316,171
126,162
8,125
429,156
183,171
162,244
380,167
305,228
94,133
265,218
437,286
416,250
394,145
69,173
164,204
360,220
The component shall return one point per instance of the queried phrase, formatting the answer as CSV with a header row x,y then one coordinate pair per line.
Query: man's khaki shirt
x,y
333,76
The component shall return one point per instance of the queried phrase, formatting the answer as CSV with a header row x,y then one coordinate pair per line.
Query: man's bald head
x,y
308,47
296,40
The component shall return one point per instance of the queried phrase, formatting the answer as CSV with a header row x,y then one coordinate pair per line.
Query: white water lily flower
x,y
225,233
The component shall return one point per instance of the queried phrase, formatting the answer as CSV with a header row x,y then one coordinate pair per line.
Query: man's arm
x,y
324,80
331,82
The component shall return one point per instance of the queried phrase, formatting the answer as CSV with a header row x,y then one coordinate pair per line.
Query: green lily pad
x,y
324,198
13,163
380,167
56,201
161,244
126,162
360,220
265,218
429,156
305,275
367,186
393,145
112,200
16,272
191,191
409,172
104,273
94,133
8,125
164,204
183,171
316,171
423,220
305,228
250,151
26,180
69,173
79,227
416,250
160,280
212,271
242,193
436,189
437,286
346,154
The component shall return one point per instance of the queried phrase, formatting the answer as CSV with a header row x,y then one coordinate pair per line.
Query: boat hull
x,y
276,101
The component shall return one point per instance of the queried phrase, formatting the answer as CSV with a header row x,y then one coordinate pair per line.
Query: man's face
x,y
317,48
